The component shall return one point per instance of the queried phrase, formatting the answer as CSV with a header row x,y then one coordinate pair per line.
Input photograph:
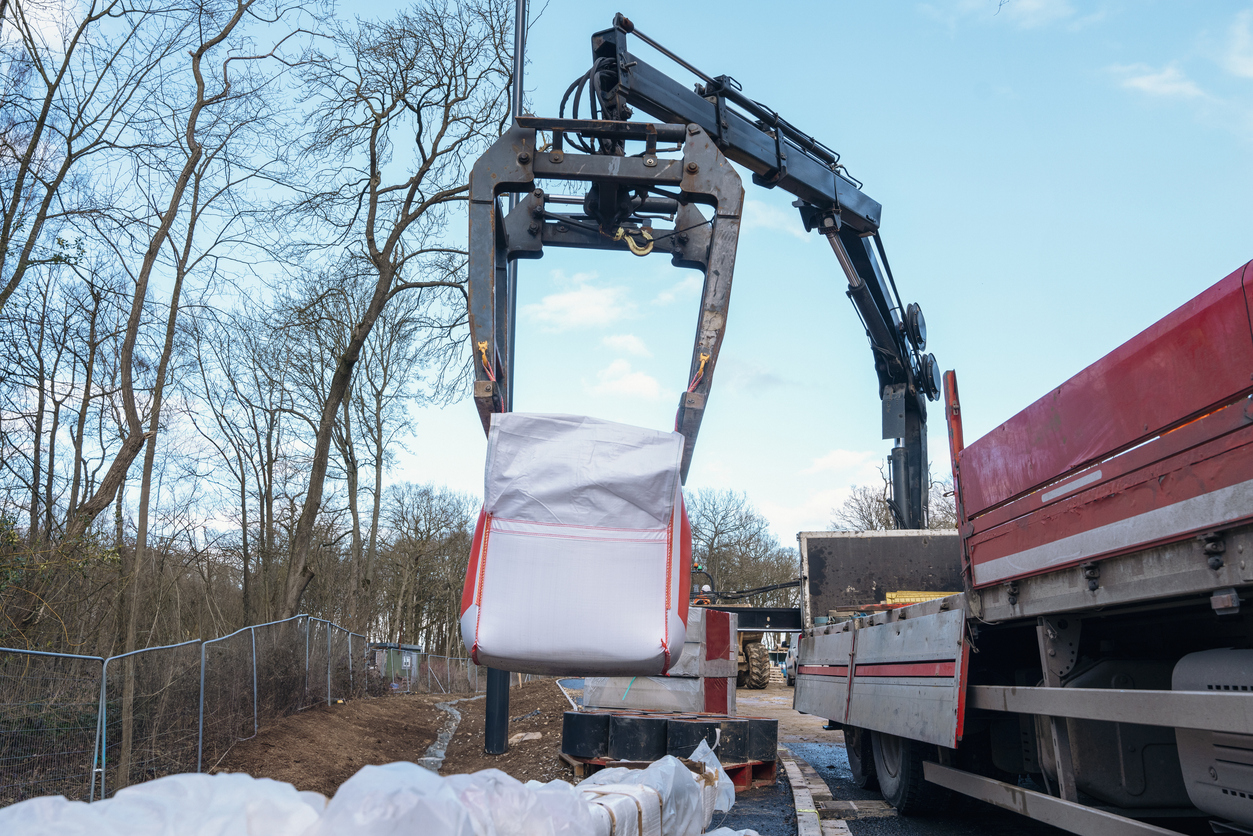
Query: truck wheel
x,y
758,666
898,766
860,757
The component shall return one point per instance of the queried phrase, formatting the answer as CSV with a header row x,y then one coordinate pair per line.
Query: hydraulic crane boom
x,y
715,123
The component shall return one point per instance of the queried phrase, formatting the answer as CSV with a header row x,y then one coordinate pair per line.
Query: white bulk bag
x,y
582,555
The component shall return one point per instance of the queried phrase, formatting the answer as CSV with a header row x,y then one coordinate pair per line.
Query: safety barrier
x,y
85,726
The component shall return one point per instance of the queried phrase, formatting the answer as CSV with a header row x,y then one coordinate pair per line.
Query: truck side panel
x,y
907,672
1195,479
1159,379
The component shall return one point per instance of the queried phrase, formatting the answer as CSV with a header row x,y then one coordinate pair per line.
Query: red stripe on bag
x,y
665,614
685,560
472,571
478,595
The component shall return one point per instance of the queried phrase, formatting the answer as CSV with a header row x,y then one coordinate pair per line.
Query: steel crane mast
x,y
714,125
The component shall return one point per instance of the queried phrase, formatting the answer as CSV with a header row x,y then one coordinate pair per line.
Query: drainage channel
x,y
435,753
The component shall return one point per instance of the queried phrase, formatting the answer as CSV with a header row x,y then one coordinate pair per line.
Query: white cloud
x,y
627,344
1239,57
855,466
813,514
1169,82
619,379
690,285
585,305
759,215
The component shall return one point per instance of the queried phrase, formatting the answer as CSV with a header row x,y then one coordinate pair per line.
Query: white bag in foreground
x,y
582,555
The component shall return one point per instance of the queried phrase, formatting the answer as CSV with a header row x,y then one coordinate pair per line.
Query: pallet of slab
x,y
744,776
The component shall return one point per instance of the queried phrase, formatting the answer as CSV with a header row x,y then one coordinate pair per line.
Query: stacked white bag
x,y
398,799
582,555
703,679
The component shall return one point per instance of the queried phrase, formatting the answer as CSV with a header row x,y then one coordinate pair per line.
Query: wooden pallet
x,y
744,776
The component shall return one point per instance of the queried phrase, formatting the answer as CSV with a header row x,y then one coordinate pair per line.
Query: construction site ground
x,y
320,748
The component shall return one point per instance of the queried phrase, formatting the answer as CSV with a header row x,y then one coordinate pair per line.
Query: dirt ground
x,y
322,747
533,707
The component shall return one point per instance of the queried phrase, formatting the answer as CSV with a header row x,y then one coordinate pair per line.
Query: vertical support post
x,y
308,629
328,663
255,726
97,754
496,729
350,682
200,738
495,739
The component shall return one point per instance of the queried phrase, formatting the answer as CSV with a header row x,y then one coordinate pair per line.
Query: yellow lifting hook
x,y
638,249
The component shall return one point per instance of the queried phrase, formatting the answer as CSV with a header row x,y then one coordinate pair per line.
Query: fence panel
x,y
65,719
281,667
163,703
49,712
447,675
228,703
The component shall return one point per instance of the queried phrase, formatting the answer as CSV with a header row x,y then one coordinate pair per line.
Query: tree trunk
x,y
298,572
141,540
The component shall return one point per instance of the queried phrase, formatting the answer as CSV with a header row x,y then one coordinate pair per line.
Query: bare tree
x,y
438,74
868,508
423,564
73,88
732,541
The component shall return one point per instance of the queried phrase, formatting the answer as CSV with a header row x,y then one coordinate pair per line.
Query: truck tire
x,y
860,757
758,666
898,767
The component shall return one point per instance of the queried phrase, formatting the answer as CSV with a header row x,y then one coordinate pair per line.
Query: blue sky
x,y
1055,176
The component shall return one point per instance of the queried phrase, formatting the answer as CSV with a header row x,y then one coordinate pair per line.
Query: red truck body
x,y
1099,647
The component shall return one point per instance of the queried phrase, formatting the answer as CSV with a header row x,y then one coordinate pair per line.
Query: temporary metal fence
x,y
85,726
147,718
413,672
49,723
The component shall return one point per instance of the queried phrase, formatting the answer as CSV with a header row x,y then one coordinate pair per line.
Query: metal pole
x,y
255,726
496,730
496,737
200,740
97,755
520,19
328,663
308,628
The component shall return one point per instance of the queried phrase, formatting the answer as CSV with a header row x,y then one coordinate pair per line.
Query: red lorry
x,y
1094,667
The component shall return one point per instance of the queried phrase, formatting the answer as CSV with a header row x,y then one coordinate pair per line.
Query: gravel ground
x,y
768,810
968,818
972,819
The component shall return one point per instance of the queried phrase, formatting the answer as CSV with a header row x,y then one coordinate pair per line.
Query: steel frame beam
x,y
513,164
1174,571
1067,815
1230,713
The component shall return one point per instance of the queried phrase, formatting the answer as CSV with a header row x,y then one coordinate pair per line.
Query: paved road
x,y
824,751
